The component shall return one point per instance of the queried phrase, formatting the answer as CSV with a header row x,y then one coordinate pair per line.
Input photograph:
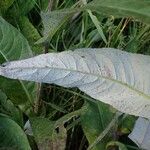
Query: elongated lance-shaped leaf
x,y
123,8
112,76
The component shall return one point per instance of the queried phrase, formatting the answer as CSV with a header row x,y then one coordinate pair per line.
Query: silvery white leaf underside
x,y
141,133
112,76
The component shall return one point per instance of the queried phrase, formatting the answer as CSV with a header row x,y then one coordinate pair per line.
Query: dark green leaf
x,y
5,4
22,7
127,124
95,120
8,108
12,136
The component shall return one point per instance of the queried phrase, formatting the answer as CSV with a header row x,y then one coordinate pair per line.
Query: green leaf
x,y
12,136
127,124
46,135
5,4
22,7
116,143
138,9
31,34
94,122
8,108
42,128
14,46
43,4
97,25
12,43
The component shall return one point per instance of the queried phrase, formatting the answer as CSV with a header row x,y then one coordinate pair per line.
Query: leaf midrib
x,y
92,74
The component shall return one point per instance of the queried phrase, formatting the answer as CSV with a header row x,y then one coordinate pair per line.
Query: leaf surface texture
x,y
112,76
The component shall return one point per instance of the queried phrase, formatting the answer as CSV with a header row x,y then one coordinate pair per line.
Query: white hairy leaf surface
x,y
141,133
112,76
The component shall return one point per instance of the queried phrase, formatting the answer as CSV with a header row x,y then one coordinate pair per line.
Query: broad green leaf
x,y
12,43
141,133
138,9
42,128
14,46
12,136
94,120
46,135
112,76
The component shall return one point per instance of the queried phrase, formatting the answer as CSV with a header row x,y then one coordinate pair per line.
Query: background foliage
x,y
65,118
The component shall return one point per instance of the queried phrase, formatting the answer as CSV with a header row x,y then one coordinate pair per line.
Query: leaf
x,y
127,124
123,8
31,33
52,22
12,40
5,4
12,136
27,128
116,143
46,135
112,76
14,46
94,120
137,9
22,7
44,4
42,128
7,107
51,133
141,133
97,25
